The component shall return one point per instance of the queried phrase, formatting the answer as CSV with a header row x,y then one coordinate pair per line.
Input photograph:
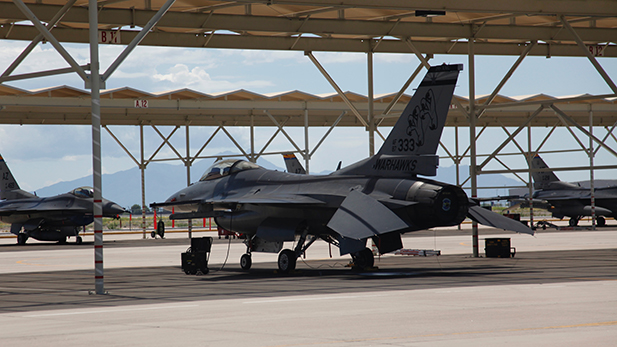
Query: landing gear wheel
x,y
364,259
245,261
22,238
78,240
62,240
573,222
287,261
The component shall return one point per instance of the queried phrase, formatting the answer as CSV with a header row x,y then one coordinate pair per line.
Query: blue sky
x,y
65,153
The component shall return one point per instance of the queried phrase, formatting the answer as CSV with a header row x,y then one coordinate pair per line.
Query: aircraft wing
x,y
8,210
246,199
268,199
486,217
361,216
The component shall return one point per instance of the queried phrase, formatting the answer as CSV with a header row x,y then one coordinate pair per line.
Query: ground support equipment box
x,y
195,259
498,248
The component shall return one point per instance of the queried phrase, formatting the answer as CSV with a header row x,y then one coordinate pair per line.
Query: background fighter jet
x,y
380,197
47,219
567,199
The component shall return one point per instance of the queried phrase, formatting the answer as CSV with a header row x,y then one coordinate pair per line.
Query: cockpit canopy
x,y
226,167
83,192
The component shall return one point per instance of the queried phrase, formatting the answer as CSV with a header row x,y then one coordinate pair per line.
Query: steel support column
x,y
95,97
529,160
371,115
307,155
188,162
142,169
591,173
472,139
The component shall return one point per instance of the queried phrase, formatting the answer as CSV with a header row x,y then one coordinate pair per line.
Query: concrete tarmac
x,y
559,289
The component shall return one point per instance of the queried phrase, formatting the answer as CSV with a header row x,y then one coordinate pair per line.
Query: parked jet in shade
x,y
378,198
564,199
47,219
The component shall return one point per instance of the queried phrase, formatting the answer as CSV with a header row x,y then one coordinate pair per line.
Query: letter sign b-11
x,y
109,37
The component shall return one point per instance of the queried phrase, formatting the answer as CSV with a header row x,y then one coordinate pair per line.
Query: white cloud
x,y
180,76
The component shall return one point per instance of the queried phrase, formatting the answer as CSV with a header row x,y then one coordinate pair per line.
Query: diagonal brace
x,y
37,24
583,130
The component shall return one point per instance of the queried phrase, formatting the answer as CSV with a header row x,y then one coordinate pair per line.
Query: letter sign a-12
x,y
141,103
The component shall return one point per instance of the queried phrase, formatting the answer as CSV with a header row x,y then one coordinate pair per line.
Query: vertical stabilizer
x,y
419,128
9,189
542,179
293,164
411,146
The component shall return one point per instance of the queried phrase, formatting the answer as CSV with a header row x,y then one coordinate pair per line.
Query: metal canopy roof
x,y
68,105
500,27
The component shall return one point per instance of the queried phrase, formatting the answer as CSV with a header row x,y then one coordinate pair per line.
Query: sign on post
x,y
141,103
109,37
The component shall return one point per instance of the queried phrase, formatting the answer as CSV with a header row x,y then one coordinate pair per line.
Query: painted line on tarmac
x,y
330,342
132,309
315,298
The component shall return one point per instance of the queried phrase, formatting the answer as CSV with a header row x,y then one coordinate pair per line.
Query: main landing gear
x,y
288,258
600,221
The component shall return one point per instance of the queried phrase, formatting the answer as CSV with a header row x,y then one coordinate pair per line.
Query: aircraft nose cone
x,y
111,209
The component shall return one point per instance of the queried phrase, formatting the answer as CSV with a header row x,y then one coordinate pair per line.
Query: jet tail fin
x,y
542,179
293,164
411,146
9,189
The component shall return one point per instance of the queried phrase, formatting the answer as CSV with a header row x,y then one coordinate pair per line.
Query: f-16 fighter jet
x,y
565,199
378,198
47,219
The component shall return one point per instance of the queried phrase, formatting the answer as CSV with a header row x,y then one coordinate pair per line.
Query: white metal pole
x,y
307,155
96,147
530,158
142,168
188,174
591,173
371,116
472,140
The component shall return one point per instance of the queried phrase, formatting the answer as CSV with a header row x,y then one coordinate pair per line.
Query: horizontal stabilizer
x,y
486,217
360,216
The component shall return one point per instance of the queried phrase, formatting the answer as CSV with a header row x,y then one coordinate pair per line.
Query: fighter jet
x,y
378,198
47,219
564,199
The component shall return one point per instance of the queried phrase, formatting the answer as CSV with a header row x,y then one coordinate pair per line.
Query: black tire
x,y
364,259
246,261
287,261
22,238
79,240
601,221
573,222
